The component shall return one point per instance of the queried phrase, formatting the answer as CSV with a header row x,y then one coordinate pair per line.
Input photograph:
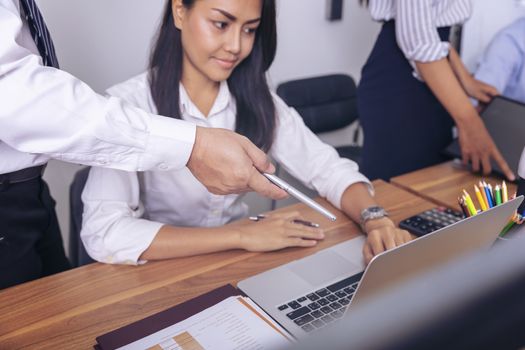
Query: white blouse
x,y
123,211
417,22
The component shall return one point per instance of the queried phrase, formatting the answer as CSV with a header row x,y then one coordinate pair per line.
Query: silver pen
x,y
299,195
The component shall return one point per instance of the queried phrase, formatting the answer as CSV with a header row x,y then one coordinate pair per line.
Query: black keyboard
x,y
315,310
431,220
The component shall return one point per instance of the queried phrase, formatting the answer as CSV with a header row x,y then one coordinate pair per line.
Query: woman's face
x,y
216,35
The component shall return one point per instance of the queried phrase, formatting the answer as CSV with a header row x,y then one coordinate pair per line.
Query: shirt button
x,y
163,166
102,161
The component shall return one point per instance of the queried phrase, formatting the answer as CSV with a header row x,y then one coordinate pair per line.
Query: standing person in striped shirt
x,y
413,89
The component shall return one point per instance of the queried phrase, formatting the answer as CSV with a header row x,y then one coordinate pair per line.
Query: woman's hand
x,y
476,144
276,231
479,90
382,234
477,147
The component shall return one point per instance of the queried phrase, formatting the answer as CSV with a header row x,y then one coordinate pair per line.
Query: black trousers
x,y
30,240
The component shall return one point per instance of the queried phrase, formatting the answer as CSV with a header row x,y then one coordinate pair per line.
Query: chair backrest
x,y
325,103
77,253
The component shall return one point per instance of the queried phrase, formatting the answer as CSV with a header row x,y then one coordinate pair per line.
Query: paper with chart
x,y
235,323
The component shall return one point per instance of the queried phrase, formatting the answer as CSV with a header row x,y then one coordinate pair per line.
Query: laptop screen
x,y
505,121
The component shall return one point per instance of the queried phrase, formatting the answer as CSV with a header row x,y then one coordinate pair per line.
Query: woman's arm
x,y
317,164
382,234
418,38
274,232
474,88
115,231
476,144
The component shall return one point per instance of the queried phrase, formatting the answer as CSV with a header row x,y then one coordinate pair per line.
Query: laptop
x,y
505,121
310,293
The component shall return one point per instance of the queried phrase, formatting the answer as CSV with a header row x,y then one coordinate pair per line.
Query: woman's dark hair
x,y
363,3
247,83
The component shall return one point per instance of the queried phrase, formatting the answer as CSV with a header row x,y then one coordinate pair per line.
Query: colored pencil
x,y
504,192
481,201
463,207
497,195
507,228
489,197
484,194
470,205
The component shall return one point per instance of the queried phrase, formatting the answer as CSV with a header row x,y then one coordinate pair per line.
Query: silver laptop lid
x,y
432,250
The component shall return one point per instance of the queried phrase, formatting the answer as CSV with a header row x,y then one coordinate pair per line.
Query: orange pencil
x,y
480,198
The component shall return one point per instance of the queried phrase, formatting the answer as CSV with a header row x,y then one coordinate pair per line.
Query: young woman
x,y
209,67
413,89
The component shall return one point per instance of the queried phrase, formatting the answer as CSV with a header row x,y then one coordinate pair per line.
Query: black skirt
x,y
405,126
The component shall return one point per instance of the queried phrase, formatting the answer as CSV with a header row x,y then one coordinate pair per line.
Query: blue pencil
x,y
489,196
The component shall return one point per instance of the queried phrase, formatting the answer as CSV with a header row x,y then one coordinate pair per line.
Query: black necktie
x,y
40,34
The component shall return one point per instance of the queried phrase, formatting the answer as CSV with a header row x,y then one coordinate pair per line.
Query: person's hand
x,y
382,234
477,147
479,90
276,231
226,162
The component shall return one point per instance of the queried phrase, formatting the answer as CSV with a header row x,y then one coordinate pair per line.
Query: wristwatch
x,y
372,213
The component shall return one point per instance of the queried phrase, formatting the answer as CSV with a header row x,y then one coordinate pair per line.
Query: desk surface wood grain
x,y
443,183
69,310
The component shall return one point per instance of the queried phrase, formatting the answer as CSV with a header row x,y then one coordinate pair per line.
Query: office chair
x,y
77,253
326,103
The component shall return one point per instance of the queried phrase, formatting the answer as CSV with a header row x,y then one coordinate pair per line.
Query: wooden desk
x,y
69,310
443,183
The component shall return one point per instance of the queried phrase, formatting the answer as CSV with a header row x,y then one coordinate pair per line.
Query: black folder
x,y
142,328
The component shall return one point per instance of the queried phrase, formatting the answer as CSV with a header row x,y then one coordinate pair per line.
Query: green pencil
x,y
507,228
497,194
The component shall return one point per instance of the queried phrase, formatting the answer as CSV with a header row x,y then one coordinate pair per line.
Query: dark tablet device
x,y
505,121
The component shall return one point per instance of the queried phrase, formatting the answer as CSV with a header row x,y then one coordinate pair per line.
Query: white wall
x,y
106,41
488,17
310,45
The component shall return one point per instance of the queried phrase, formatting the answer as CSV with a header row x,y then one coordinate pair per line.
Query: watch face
x,y
373,213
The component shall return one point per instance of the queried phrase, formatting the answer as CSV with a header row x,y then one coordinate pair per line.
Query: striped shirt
x,y
417,22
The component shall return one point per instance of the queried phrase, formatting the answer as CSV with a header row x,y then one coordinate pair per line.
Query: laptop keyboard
x,y
322,307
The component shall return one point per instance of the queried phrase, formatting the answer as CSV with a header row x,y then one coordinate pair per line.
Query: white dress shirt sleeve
x,y
113,230
48,111
310,160
416,31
